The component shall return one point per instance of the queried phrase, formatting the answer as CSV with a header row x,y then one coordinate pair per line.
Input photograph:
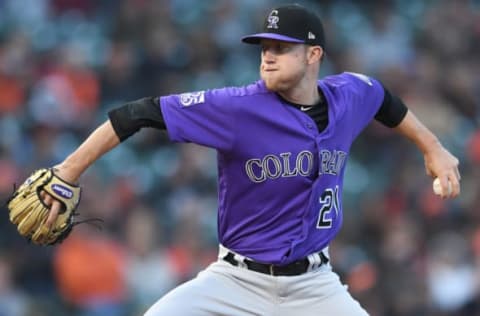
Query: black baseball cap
x,y
290,23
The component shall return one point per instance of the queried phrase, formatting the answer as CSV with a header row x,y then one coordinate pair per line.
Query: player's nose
x,y
268,56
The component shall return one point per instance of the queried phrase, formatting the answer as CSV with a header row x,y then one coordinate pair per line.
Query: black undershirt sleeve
x,y
392,111
130,117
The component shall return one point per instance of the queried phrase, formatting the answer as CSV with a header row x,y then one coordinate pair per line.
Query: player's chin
x,y
276,86
272,84
276,82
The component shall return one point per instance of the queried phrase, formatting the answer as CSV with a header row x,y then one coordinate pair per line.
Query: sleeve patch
x,y
191,98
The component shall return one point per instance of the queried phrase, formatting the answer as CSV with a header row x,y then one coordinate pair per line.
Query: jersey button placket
x,y
312,129
309,123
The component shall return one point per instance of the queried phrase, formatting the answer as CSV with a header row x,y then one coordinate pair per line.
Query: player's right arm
x,y
123,122
102,140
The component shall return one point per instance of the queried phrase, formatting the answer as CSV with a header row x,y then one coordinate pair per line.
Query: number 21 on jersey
x,y
328,201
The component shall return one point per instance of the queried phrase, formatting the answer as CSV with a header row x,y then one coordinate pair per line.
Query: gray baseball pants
x,y
226,290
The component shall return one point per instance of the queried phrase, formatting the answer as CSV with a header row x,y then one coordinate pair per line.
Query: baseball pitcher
x,y
282,146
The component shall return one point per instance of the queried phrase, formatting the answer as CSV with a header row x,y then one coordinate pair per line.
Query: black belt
x,y
294,268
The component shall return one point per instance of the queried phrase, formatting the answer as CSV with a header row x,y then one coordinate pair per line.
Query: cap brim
x,y
255,38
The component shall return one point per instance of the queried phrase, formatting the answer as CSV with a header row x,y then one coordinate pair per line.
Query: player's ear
x,y
314,54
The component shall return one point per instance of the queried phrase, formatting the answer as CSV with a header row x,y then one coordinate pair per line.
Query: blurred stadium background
x,y
65,63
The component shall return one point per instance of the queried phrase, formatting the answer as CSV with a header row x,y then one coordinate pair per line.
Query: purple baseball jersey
x,y
279,180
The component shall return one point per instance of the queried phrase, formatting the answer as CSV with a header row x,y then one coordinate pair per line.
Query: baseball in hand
x,y
437,187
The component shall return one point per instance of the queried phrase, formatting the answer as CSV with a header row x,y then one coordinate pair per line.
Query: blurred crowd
x,y
64,63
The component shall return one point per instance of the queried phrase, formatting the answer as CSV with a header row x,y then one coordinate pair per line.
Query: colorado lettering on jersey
x,y
272,166
332,162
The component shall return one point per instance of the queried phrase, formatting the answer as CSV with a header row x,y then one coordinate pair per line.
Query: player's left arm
x,y
439,162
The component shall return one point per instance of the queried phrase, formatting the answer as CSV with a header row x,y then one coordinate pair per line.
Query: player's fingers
x,y
455,186
457,173
44,196
428,171
445,185
47,198
53,214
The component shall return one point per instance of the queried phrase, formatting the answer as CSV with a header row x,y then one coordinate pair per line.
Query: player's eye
x,y
277,48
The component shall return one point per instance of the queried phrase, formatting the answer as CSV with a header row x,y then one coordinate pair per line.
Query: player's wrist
x,y
68,171
433,148
429,144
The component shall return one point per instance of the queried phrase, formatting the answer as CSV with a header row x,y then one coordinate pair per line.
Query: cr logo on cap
x,y
273,20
